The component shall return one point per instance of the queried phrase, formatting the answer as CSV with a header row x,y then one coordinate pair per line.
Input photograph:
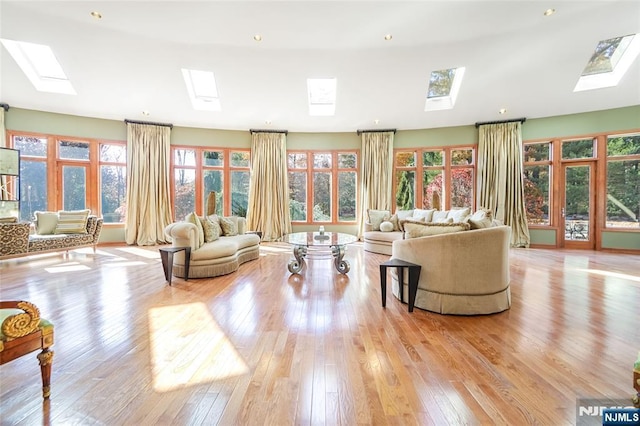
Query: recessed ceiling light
x,y
388,37
376,121
96,15
549,12
145,112
257,37
267,122
502,111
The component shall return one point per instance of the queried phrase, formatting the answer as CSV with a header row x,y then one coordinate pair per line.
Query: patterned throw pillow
x,y
72,222
46,222
376,217
211,229
229,225
193,218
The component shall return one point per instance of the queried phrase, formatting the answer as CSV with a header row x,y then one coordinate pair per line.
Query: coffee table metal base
x,y
337,252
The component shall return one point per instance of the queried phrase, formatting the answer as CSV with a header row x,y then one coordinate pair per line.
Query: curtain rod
x,y
5,106
522,120
375,131
150,123
286,132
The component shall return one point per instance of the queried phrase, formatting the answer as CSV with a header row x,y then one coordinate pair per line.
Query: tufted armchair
x,y
22,332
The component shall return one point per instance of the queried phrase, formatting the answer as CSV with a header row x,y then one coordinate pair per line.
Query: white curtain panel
x,y
148,184
376,174
268,209
500,179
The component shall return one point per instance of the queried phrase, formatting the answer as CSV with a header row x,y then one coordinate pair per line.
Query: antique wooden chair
x,y
22,332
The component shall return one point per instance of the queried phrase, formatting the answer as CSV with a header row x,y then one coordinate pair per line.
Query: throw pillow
x,y
9,219
459,215
394,221
438,215
211,229
46,222
376,217
193,218
445,220
426,214
229,225
418,229
72,222
409,220
386,226
404,214
481,219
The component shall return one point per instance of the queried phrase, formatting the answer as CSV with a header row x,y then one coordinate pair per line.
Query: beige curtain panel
x,y
148,184
376,174
268,209
500,178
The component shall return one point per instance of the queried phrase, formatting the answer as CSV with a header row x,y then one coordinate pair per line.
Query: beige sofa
x,y
214,258
463,273
379,239
15,240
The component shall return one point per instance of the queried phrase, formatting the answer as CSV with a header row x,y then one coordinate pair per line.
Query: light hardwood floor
x,y
262,346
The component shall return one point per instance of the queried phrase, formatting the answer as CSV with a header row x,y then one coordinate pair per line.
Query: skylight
x,y
444,86
201,86
322,96
40,65
609,62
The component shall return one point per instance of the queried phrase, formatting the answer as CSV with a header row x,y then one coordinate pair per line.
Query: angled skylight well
x,y
322,96
444,86
40,65
609,62
201,86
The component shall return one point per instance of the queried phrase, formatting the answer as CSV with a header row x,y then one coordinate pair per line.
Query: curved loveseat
x,y
214,258
463,273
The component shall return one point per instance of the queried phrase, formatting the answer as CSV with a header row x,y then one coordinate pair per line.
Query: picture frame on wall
x,y
9,162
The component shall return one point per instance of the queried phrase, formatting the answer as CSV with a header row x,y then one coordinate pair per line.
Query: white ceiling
x,y
130,60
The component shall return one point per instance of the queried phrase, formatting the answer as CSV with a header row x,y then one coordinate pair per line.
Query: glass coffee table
x,y
302,242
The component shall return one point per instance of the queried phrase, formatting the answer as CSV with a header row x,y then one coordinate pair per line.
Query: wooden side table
x,y
166,254
414,275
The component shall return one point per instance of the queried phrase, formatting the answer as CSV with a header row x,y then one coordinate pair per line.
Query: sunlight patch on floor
x,y
67,267
149,254
188,347
611,274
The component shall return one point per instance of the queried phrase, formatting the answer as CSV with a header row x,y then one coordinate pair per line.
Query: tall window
x,y
537,182
113,182
198,171
240,179
446,178
184,182
297,176
213,176
33,174
323,186
623,181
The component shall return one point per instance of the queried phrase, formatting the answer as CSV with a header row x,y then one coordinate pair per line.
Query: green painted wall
x,y
545,237
613,120
621,240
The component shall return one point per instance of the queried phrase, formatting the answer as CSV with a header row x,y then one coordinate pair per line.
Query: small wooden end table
x,y
414,275
166,254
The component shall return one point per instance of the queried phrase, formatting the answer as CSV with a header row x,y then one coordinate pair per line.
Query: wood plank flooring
x,y
262,346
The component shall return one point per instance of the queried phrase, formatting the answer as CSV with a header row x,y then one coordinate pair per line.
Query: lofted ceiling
x,y
131,59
